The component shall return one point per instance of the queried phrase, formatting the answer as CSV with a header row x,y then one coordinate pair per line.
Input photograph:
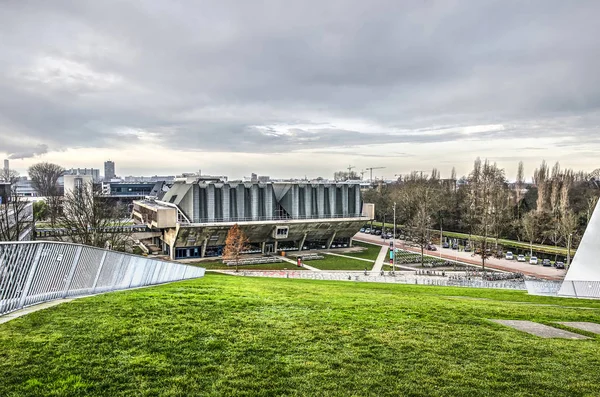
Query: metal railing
x,y
34,272
233,218
385,277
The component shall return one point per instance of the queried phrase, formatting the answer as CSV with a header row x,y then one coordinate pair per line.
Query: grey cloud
x,y
204,75
33,152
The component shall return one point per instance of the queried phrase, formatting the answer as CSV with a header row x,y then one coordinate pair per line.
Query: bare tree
x,y
487,201
91,219
235,244
420,203
44,178
529,222
8,175
16,216
520,183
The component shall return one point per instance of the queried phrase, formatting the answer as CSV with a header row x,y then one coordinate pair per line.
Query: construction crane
x,y
362,174
350,168
371,169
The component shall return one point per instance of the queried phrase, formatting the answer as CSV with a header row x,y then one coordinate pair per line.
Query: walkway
x,y
314,269
30,309
380,259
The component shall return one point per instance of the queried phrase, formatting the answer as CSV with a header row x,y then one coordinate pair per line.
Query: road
x,y
539,271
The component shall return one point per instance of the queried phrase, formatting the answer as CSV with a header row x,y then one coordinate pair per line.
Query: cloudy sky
x,y
294,88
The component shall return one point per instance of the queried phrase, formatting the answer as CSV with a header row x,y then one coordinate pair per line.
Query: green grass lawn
x,y
371,250
332,262
238,336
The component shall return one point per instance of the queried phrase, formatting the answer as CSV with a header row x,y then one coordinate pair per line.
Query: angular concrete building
x,y
196,214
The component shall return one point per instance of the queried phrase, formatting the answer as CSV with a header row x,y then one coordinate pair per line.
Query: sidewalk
x,y
380,259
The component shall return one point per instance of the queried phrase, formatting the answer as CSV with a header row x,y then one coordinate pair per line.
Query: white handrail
x,y
32,272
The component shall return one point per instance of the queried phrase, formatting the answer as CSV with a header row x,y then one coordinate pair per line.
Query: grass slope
x,y
236,336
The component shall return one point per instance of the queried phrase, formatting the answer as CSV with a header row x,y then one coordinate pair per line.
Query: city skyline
x,y
301,89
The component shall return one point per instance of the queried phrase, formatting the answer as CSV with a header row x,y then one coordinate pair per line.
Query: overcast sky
x,y
309,87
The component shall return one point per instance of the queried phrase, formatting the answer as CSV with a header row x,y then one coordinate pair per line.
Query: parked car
x,y
368,230
546,262
430,247
509,256
468,248
388,235
362,230
455,246
559,265
378,232
533,260
445,244
521,258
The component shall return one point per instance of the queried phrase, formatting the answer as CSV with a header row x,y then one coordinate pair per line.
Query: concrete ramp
x,y
541,330
589,327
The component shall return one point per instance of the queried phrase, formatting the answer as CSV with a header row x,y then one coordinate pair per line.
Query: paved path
x,y
380,259
30,309
351,257
314,269
539,271
541,330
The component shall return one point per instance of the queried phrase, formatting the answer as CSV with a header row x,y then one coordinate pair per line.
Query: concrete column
x,y
302,242
204,244
345,200
254,201
321,200
172,251
357,198
330,241
275,247
240,200
210,202
225,202
332,199
262,247
307,201
295,201
269,201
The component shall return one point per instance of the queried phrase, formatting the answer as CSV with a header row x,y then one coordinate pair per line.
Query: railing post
x,y
574,290
72,271
99,271
27,286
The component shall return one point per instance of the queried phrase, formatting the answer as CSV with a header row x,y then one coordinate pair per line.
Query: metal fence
x,y
580,289
34,272
386,277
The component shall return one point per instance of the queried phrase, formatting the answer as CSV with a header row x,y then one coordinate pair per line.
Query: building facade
x,y
109,170
93,172
275,216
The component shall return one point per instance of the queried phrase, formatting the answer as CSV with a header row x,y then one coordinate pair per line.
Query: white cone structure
x,y
583,277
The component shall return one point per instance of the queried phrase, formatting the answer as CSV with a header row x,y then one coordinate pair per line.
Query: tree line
x,y
553,209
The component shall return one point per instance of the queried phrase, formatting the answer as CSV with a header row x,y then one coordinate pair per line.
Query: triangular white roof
x,y
583,276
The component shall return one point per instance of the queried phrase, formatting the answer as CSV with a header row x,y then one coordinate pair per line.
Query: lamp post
x,y
441,234
394,242
569,250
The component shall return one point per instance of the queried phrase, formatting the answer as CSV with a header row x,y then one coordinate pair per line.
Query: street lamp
x,y
569,250
394,242
441,234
